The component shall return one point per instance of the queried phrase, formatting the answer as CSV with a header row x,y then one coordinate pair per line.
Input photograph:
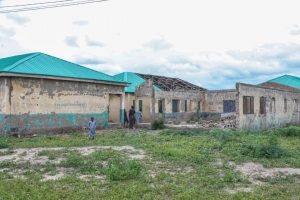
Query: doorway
x,y
114,108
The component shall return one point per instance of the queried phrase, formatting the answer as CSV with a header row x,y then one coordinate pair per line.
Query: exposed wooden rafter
x,y
168,84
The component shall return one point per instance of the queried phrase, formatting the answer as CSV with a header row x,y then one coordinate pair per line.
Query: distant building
x,y
41,93
272,104
154,96
286,82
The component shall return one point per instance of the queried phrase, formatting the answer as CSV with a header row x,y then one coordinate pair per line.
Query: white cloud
x,y
71,41
17,18
81,22
93,43
7,32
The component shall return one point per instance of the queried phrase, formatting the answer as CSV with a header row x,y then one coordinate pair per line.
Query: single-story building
x,y
159,96
40,93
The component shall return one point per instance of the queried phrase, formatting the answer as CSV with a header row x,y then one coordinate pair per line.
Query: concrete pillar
x,y
122,109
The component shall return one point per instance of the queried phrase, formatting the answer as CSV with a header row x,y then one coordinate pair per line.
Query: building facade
x,y
41,93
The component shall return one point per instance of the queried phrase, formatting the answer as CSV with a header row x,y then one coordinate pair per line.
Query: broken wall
x,y
145,94
216,101
193,98
42,104
284,112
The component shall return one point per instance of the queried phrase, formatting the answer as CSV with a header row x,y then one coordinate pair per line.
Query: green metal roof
x,y
133,79
288,80
46,65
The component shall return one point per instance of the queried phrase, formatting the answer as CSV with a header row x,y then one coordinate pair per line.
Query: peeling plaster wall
x,y
269,120
213,102
42,104
151,97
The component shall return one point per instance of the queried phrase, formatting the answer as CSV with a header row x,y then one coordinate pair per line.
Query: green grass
x,y
174,150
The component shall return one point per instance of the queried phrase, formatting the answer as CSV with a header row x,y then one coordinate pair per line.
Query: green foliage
x,y
4,142
121,169
184,132
73,160
289,131
169,155
158,124
270,150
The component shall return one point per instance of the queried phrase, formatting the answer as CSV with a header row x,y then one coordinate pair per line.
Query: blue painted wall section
x,y
28,122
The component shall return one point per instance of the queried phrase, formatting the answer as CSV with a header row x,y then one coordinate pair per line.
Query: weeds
x,y
121,169
270,150
158,124
289,131
4,142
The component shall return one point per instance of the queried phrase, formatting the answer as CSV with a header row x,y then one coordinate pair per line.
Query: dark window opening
x,y
141,105
262,105
285,105
175,105
272,105
160,106
248,105
228,106
185,105
133,104
198,105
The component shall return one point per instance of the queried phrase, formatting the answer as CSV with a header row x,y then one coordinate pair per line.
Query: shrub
x,y
289,131
158,124
121,169
3,143
270,150
223,136
73,161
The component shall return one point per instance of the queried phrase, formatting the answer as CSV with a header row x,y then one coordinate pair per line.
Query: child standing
x,y
92,128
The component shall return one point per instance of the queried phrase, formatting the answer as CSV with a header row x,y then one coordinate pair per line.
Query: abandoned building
x,y
40,92
272,104
154,96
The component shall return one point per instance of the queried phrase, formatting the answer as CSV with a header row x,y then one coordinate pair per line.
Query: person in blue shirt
x,y
92,128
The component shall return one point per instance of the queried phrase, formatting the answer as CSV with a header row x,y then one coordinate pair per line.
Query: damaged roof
x,y
288,80
159,82
133,79
168,83
41,64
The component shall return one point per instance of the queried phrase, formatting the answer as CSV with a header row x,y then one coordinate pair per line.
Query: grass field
x,y
145,164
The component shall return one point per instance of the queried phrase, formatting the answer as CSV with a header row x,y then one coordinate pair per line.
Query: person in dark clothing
x,y
125,119
131,117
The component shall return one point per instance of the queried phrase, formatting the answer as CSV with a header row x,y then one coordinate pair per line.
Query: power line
x,y
33,4
51,6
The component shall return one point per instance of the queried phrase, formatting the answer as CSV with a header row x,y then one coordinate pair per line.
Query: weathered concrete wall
x,y
145,92
214,100
258,121
129,97
192,97
41,104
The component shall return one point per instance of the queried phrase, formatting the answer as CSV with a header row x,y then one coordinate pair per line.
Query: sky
x,y
210,43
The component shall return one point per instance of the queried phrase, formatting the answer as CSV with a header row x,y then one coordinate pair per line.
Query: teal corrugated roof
x,y
133,79
46,65
288,80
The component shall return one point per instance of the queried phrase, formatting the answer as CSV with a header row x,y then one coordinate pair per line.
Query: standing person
x,y
92,128
131,117
125,119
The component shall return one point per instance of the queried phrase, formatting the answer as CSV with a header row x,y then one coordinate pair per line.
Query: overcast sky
x,y
212,43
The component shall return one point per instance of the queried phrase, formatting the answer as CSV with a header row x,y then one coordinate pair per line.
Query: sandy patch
x,y
162,167
31,155
239,189
57,176
255,170
89,177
